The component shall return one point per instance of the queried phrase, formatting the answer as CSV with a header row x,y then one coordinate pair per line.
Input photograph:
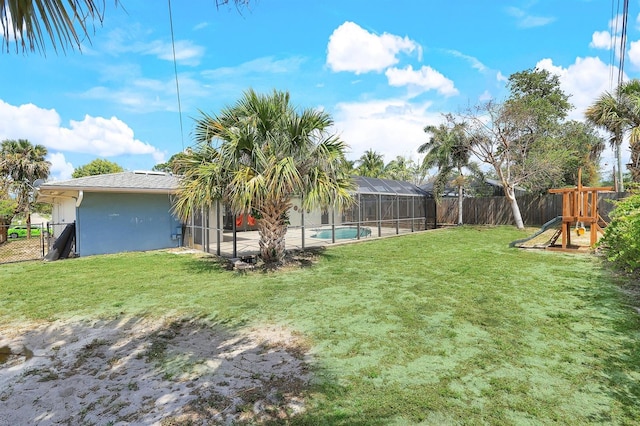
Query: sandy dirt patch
x,y
139,371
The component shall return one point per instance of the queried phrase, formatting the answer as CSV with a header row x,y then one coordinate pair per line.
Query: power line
x,y
175,69
623,40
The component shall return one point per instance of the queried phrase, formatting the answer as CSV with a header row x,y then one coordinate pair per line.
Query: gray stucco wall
x,y
114,223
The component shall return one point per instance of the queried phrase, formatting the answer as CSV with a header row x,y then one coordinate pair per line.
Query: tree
x,y
256,156
64,23
403,169
8,209
173,165
518,138
98,166
21,163
584,146
370,164
447,149
619,114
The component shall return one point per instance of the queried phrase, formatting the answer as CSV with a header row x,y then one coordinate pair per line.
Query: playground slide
x,y
550,224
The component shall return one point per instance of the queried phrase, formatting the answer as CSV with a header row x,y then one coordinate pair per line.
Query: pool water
x,y
343,233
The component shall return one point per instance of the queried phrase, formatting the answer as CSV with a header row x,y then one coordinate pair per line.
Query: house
x,y
118,212
132,211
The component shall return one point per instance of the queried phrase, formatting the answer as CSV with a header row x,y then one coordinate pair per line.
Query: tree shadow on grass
x,y
294,259
208,264
145,371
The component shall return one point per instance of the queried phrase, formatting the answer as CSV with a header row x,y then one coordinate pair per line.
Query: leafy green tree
x,y
256,156
66,24
370,164
403,169
447,149
8,209
584,146
99,166
518,138
173,165
539,91
21,163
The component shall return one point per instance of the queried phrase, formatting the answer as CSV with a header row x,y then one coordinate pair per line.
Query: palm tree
x,y
256,156
619,114
448,150
22,163
31,22
371,164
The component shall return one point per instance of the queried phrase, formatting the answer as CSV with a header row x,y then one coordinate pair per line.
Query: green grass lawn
x,y
441,327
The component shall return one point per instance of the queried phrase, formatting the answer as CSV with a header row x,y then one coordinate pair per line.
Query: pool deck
x,y
247,241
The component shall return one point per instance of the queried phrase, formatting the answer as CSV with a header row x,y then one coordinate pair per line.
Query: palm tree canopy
x,y
66,24
20,160
371,164
259,153
22,163
620,114
259,150
447,149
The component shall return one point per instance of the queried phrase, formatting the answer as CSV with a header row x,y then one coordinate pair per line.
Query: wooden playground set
x,y
579,211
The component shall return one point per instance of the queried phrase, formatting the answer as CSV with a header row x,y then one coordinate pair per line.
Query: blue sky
x,y
383,69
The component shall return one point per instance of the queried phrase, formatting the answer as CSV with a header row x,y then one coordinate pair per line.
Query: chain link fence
x,y
19,246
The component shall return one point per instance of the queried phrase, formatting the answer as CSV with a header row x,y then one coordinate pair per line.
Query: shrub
x,y
621,241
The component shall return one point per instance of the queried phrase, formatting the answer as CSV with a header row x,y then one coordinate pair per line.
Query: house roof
x,y
368,185
159,182
133,181
125,182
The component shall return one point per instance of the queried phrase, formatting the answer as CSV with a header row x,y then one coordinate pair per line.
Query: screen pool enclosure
x,y
382,207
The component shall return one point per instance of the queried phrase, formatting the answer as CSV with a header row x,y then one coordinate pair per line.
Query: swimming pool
x,y
343,233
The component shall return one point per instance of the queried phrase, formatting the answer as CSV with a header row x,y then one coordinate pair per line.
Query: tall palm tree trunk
x,y
634,165
273,229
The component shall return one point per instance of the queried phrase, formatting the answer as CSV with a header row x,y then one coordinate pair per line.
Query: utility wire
x,y
175,69
623,40
612,42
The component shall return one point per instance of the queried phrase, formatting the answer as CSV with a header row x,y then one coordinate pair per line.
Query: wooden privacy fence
x,y
535,209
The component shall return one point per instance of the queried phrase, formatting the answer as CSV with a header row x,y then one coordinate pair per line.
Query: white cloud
x,y
132,39
351,48
634,53
200,26
61,169
187,53
266,64
475,62
144,95
93,135
426,78
615,24
604,40
526,20
485,96
389,127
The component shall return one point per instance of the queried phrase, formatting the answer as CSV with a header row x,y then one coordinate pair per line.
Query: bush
x,y
621,241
